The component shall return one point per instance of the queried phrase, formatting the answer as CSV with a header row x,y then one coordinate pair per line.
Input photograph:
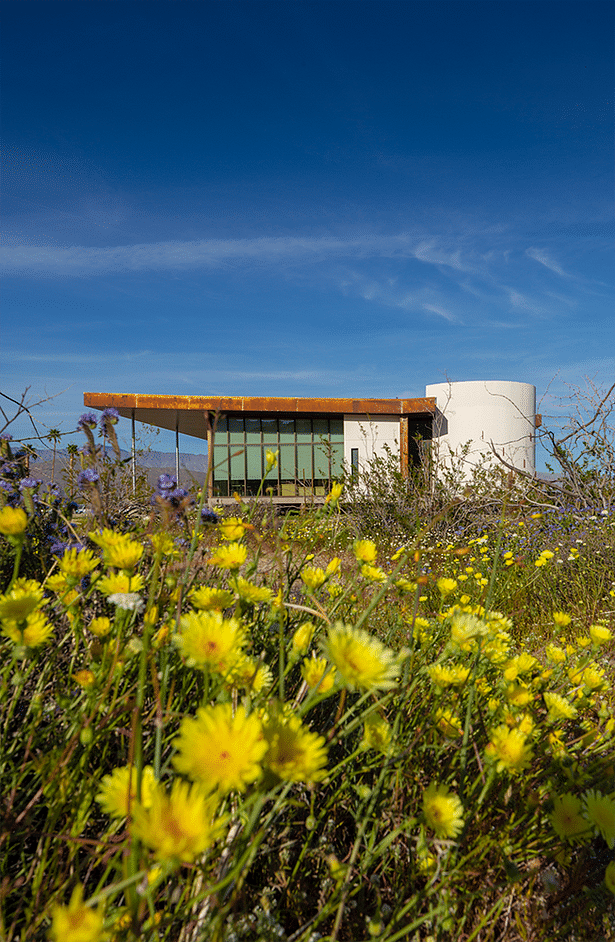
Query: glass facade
x,y
310,454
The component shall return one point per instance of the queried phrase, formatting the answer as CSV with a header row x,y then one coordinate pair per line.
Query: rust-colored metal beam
x,y
260,404
403,446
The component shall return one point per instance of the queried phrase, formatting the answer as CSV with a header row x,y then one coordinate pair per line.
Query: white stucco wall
x,y
487,413
370,435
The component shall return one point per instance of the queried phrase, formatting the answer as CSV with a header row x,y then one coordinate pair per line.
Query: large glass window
x,y
310,454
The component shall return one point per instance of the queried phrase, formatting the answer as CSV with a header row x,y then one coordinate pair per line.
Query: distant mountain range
x,y
192,468
150,459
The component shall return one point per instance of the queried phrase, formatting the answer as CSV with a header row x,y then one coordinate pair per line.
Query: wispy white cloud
x,y
84,261
431,253
79,359
390,293
541,256
441,312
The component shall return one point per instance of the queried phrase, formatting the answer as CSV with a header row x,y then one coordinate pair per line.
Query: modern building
x,y
480,422
316,439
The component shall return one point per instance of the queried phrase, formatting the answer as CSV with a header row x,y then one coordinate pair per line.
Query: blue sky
x,y
305,198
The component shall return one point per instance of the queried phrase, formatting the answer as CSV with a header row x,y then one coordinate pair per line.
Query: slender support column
x,y
210,455
404,445
134,456
177,448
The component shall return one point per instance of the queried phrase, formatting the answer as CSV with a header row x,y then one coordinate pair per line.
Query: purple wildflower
x,y
88,476
29,484
87,420
208,515
110,416
176,496
166,482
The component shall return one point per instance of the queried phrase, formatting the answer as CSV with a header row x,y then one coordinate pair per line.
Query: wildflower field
x,y
237,726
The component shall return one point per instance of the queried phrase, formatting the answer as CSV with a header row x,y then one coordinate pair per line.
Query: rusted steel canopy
x,y
187,413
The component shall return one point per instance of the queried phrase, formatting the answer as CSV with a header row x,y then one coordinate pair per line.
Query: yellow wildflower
x,y
250,593
76,922
459,674
233,528
559,708
365,551
566,818
313,577
555,654
211,599
220,750
373,573
561,619
422,629
124,554
251,675
609,876
333,566
161,636
57,583
120,582
100,626
231,556
525,723
31,632
13,521
84,678
465,627
271,459
362,661
599,810
440,674
496,650
302,637
508,749
483,687
118,790
179,826
150,618
376,734
446,586
106,538
294,753
334,494
75,564
426,863
164,544
518,694
599,634
24,598
593,678
314,673
520,664
209,641
442,811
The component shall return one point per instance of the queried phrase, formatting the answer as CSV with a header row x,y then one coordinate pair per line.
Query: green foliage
x,y
334,734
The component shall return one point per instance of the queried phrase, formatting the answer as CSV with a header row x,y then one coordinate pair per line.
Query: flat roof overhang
x,y
186,414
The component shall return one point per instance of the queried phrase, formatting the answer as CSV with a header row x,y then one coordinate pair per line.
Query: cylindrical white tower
x,y
478,420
